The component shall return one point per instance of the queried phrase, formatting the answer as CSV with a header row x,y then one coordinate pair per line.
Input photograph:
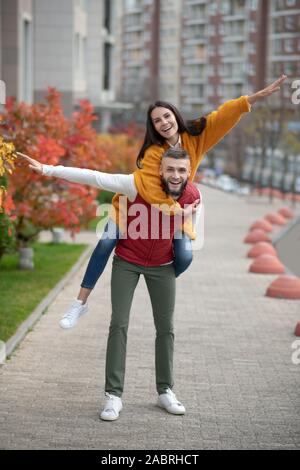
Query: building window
x,y
288,45
254,4
129,4
290,68
277,69
211,31
222,29
278,46
252,48
289,23
212,50
212,8
250,69
107,63
26,91
200,52
225,7
252,26
107,15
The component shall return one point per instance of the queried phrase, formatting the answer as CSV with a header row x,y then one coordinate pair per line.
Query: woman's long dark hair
x,y
192,127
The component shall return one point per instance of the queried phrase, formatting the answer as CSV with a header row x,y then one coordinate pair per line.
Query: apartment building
x,y
66,44
75,52
199,53
223,40
284,41
139,51
194,55
16,47
170,32
117,53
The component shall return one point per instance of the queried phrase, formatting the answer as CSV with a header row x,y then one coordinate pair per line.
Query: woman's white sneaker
x,y
169,402
112,408
71,317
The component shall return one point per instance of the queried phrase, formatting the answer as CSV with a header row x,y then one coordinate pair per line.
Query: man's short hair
x,y
176,153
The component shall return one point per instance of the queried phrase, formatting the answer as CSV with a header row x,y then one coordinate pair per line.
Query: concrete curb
x,y
23,329
282,233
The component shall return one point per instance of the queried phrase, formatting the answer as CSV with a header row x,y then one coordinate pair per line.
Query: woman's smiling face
x,y
164,122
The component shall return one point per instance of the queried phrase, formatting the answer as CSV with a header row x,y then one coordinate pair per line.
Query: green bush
x,y
7,235
105,197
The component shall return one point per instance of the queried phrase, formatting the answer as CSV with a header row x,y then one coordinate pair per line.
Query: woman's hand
x,y
269,90
34,165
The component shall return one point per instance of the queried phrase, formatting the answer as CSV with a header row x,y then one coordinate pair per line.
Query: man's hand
x,y
190,209
34,165
269,90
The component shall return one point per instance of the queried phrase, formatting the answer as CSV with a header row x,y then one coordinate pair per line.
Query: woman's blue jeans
x,y
183,254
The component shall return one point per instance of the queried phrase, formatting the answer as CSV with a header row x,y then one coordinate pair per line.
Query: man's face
x,y
174,173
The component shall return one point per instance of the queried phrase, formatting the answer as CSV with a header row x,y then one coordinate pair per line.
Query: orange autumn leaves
x,y
42,131
7,157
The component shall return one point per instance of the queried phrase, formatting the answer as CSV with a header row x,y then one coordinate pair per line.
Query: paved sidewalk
x,y
233,366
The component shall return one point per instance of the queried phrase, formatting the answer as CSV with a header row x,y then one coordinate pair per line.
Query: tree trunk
x,y
26,258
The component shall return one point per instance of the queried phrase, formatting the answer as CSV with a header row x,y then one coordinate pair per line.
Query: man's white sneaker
x,y
112,408
71,317
169,402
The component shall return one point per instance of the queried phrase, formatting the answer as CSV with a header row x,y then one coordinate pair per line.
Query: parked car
x,y
243,190
227,183
208,177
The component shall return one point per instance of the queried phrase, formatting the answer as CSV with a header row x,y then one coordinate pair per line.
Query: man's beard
x,y
173,192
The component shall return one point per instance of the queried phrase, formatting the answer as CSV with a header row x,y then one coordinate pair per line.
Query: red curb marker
x,y
257,235
262,224
265,191
297,329
267,264
285,287
276,219
276,193
286,212
261,248
292,197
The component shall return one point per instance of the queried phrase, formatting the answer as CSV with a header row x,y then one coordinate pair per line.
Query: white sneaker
x,y
169,402
71,317
112,408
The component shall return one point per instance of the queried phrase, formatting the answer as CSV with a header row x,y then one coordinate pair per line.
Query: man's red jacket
x,y
149,235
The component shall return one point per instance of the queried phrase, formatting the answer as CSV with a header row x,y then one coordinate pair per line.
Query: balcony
x,y
235,17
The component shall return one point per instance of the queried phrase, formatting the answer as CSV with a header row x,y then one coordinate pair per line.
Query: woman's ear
x,y
189,170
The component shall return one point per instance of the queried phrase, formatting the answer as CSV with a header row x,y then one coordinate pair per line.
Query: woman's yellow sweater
x,y
147,179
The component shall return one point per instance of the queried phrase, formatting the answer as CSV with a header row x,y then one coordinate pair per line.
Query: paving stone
x,y
232,363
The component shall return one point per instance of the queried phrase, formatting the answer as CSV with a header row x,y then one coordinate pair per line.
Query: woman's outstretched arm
x,y
223,120
268,91
110,182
